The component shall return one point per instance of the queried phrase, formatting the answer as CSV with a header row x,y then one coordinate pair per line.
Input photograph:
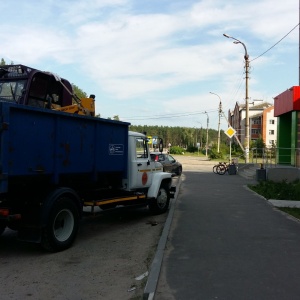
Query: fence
x,y
273,157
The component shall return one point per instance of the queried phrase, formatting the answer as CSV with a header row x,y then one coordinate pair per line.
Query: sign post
x,y
230,132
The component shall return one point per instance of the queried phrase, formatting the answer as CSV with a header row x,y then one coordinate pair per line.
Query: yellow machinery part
x,y
85,107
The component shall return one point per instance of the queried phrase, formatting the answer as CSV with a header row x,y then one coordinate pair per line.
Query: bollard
x,y
261,174
232,169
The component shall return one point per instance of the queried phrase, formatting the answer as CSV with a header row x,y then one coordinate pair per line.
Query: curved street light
x,y
206,146
246,57
219,124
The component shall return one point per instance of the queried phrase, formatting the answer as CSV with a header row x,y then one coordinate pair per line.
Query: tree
x,y
2,62
181,136
259,143
79,92
259,147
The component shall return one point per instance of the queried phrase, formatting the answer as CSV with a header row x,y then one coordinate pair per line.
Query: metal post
x,y
247,127
201,145
230,149
206,146
247,136
219,124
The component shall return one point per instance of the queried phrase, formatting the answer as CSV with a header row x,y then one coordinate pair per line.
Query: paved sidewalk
x,y
226,242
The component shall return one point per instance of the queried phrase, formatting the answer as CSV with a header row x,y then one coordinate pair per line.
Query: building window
x,y
271,142
255,131
256,121
271,121
271,132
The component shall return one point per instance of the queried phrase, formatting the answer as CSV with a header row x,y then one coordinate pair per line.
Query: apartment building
x,y
261,121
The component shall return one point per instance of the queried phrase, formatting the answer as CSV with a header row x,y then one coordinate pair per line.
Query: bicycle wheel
x,y
215,169
221,169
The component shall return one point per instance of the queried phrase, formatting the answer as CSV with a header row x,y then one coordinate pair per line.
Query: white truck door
x,y
141,166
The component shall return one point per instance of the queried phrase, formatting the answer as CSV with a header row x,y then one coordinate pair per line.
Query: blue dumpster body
x,y
51,147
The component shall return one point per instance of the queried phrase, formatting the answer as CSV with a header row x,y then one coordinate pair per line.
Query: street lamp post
x,y
200,132
219,124
206,146
200,138
246,57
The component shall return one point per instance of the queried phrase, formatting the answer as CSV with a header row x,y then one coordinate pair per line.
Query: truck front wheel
x,y
161,203
62,225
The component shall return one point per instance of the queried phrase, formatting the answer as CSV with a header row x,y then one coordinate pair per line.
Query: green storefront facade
x,y
287,110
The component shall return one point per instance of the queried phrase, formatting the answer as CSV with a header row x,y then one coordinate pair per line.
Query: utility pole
x,y
247,125
219,124
247,133
206,146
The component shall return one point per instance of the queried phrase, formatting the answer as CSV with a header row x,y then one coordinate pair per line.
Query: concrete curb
x,y
155,268
285,203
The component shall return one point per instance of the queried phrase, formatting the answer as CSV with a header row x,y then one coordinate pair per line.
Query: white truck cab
x,y
142,172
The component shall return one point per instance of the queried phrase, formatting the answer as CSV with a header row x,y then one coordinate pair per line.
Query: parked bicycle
x,y
220,168
223,167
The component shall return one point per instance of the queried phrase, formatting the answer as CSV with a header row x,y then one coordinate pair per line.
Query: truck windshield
x,y
12,90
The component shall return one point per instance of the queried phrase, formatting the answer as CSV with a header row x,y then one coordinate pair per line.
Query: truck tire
x,y
161,204
62,226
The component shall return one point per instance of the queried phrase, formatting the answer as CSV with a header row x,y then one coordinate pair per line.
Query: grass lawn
x,y
280,191
295,212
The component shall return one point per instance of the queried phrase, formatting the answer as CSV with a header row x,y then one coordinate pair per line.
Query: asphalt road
x,y
226,242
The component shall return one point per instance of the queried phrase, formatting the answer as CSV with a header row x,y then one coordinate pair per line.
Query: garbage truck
x,y
57,157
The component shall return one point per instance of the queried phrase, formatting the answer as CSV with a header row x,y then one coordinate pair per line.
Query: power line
x,y
167,116
270,49
275,43
198,113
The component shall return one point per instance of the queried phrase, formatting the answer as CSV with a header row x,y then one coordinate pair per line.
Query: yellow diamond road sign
x,y
230,132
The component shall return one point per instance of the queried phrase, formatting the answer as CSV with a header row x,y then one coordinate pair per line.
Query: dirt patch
x,y
195,163
111,250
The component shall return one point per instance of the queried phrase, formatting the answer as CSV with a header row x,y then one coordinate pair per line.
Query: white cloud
x,y
130,55
79,12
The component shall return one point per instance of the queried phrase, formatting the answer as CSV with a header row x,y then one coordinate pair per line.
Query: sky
x,y
157,62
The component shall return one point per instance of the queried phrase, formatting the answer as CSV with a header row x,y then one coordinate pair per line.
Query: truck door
x,y
141,167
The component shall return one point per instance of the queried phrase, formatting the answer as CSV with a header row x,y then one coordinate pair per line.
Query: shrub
x,y
278,190
213,154
176,150
191,149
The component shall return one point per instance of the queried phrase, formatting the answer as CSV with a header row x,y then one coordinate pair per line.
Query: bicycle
x,y
219,168
223,167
